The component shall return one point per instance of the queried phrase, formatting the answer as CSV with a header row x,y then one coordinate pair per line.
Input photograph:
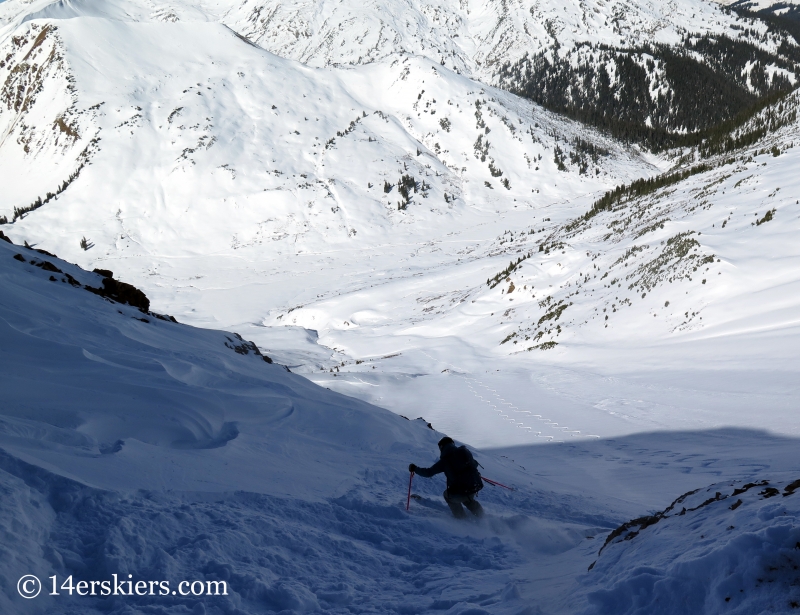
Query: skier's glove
x,y
412,468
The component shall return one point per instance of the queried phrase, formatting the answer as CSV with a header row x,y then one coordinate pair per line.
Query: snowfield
x,y
410,243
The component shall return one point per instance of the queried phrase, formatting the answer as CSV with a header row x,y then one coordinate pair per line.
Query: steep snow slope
x,y
136,446
142,448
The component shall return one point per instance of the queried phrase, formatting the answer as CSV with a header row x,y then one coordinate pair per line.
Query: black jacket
x,y
460,468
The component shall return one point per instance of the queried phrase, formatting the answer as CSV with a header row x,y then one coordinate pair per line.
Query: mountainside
x,y
782,8
691,244
272,130
563,233
134,448
172,167
635,69
473,37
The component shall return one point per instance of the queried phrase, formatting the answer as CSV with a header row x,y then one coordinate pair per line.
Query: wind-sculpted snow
x,y
730,548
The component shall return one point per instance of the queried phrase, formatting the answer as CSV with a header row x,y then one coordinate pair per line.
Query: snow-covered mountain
x,y
276,131
472,37
370,193
343,216
264,159
632,67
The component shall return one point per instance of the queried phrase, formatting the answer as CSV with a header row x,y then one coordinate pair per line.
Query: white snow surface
x,y
274,222
152,450
243,191
474,37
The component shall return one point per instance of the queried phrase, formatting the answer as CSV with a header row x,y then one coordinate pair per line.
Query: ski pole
x,y
492,482
408,502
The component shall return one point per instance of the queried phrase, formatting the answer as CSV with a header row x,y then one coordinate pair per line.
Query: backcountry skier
x,y
463,479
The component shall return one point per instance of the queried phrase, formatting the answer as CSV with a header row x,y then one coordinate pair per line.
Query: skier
x,y
463,479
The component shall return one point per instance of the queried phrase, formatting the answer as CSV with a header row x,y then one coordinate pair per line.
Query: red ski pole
x,y
408,502
493,482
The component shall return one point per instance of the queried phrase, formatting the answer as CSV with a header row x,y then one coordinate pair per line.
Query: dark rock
x,y
104,272
791,488
19,257
748,486
122,292
4,238
110,449
165,317
245,347
48,266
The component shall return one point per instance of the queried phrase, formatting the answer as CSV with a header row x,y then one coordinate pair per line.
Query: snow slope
x,y
247,192
155,449
209,199
138,447
729,548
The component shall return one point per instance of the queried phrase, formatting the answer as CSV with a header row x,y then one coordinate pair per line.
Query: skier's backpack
x,y
466,478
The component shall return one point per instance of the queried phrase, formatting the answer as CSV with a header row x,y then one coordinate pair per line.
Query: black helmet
x,y
445,442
